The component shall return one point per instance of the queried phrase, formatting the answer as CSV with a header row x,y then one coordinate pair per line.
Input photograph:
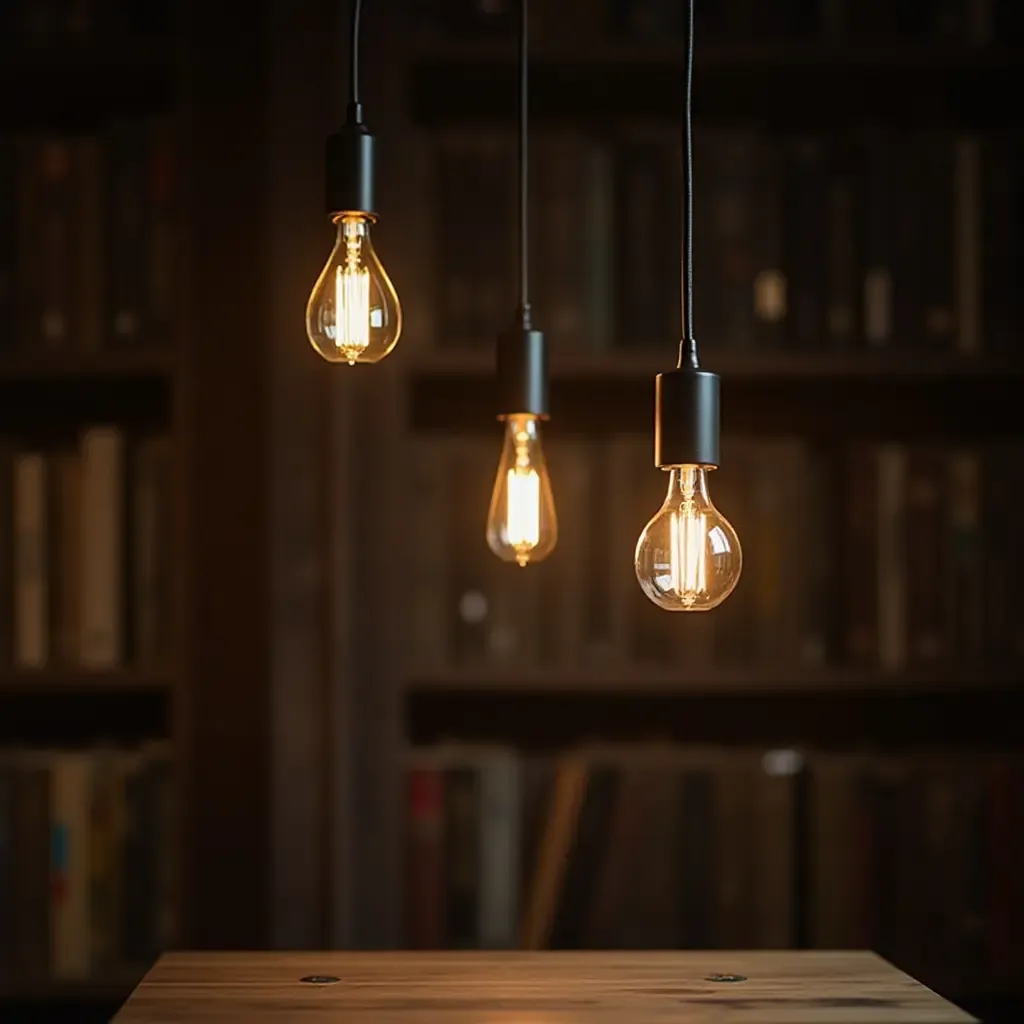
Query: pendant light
x,y
521,523
353,314
688,557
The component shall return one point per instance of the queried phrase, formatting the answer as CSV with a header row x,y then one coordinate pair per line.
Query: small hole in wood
x,y
319,979
725,977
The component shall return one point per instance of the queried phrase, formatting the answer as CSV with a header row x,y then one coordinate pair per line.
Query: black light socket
x,y
522,367
686,418
349,165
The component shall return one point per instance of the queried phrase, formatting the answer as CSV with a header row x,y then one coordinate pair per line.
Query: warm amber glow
x,y
523,508
521,523
353,314
352,299
688,557
689,541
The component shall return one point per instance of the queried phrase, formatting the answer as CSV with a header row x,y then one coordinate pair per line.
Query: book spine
x,y
70,866
500,841
892,571
842,323
425,890
462,855
876,243
66,536
926,562
102,567
31,568
48,225
126,199
162,215
32,859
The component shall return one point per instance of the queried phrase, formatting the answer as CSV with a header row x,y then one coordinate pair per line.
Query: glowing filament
x,y
523,509
687,557
352,302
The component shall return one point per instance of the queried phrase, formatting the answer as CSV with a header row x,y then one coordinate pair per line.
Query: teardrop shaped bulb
x,y
688,558
521,523
353,314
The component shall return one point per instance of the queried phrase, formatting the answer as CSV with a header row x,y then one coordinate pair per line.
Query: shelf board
x,y
80,680
796,83
983,717
51,391
71,707
713,680
909,395
28,366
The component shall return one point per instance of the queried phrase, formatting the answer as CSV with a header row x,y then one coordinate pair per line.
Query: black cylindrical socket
x,y
349,164
686,425
522,367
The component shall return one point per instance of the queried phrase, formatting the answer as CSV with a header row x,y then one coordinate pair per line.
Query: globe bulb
x,y
521,523
688,559
353,314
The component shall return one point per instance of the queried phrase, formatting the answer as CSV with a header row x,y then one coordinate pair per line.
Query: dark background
x,y
359,706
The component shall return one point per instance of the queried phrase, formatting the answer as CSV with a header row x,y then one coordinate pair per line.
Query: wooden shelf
x,y
130,387
909,395
27,366
804,83
71,707
71,86
79,680
713,680
899,718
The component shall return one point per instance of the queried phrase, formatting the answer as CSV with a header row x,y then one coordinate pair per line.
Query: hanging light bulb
x,y
521,522
521,525
688,558
353,314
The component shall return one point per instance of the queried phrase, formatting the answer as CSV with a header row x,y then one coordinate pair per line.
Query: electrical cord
x,y
353,88
524,266
688,346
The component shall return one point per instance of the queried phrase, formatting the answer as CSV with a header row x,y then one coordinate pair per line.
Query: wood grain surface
x,y
534,988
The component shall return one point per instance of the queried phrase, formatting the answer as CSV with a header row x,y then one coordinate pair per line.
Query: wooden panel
x,y
302,68
222,708
558,988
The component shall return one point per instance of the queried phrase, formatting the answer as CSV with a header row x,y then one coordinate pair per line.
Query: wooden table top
x,y
535,988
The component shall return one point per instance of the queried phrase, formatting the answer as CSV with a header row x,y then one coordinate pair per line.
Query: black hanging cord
x,y
353,65
524,290
688,346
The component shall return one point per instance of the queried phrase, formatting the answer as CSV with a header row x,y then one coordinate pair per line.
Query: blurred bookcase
x,y
382,736
855,178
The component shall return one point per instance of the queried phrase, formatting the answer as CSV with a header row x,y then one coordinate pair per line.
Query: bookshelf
x,y
304,680
569,663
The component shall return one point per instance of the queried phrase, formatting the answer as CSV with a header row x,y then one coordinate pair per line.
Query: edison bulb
x,y
353,314
688,559
521,523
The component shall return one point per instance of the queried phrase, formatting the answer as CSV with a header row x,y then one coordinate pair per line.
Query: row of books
x,y
880,239
86,875
657,847
895,556
85,552
45,23
87,239
964,22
